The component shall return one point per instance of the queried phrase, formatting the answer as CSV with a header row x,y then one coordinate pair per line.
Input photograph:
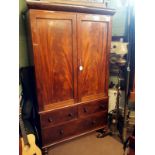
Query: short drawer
x,y
58,116
74,128
92,107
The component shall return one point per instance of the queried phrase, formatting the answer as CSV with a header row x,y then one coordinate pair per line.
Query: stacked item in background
x,y
117,66
117,86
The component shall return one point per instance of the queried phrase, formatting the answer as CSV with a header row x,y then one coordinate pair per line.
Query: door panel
x,y
92,49
55,60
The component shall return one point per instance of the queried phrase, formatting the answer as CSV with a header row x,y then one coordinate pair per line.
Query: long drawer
x,y
55,117
60,132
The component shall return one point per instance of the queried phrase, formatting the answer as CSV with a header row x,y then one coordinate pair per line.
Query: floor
x,y
89,145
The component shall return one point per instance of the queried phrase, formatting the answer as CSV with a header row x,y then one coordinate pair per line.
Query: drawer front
x,y
92,107
58,116
74,128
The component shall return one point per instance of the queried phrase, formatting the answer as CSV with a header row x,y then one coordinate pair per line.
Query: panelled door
x,y
55,56
92,31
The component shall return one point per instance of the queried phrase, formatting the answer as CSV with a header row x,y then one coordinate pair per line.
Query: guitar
x,y
27,141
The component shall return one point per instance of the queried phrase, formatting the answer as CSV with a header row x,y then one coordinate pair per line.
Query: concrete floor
x,y
89,145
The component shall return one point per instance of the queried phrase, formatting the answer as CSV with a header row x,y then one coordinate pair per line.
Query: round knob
x,y
50,119
93,122
70,115
80,68
85,110
102,106
61,132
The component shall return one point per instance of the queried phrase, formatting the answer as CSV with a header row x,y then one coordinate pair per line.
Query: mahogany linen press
x,y
71,46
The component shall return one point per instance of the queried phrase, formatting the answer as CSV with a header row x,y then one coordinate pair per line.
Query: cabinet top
x,y
44,5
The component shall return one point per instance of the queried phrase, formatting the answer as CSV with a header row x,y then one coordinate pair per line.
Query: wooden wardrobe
x,y
71,46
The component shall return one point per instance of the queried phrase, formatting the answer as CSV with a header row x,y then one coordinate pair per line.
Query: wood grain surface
x,y
92,50
54,58
71,59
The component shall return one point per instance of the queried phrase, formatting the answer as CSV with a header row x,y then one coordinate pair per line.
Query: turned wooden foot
x,y
45,151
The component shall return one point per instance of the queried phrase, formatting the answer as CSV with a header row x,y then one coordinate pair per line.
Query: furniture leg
x,y
45,151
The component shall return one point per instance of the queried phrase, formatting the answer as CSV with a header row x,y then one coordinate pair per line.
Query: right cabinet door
x,y
93,48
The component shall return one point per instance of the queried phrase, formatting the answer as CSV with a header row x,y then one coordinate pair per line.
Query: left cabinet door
x,y
55,57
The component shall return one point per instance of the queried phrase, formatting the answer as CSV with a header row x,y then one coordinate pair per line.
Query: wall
x,y
119,19
23,55
118,28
